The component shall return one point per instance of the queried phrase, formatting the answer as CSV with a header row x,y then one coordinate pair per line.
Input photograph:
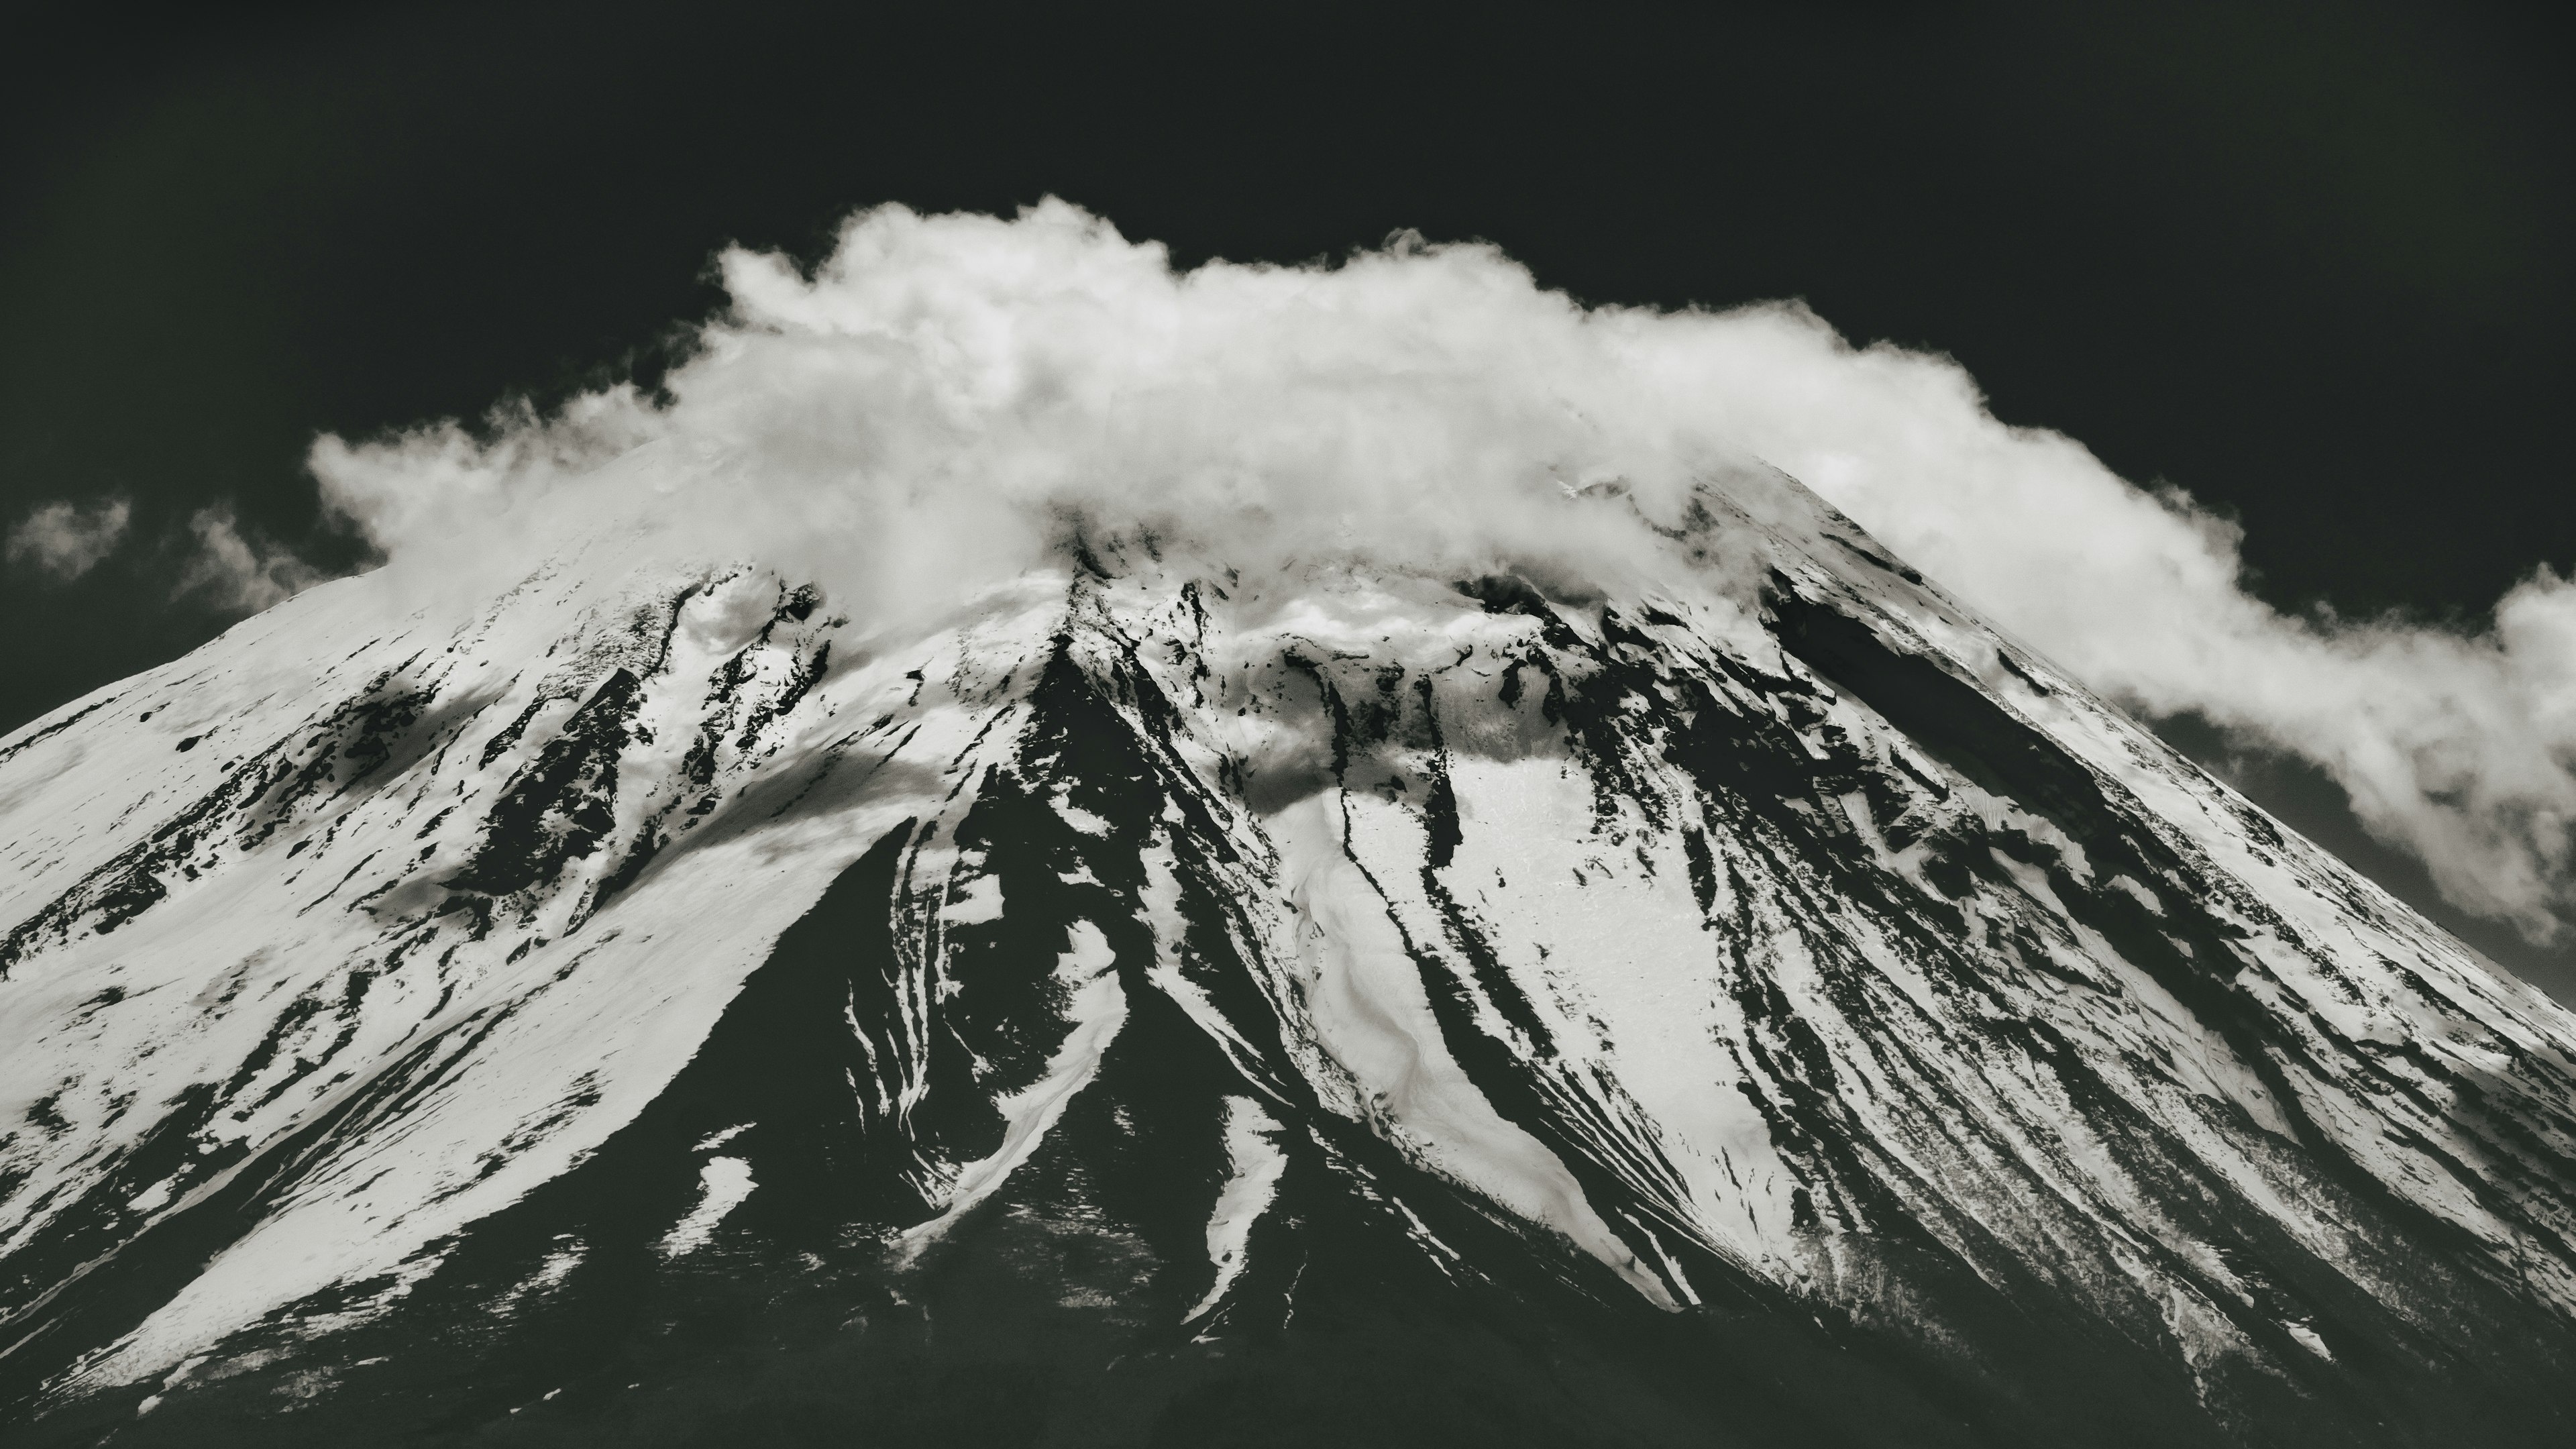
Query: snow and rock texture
x,y
1169,1004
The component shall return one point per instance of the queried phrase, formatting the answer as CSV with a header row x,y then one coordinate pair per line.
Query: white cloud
x,y
945,398
67,540
231,572
2457,745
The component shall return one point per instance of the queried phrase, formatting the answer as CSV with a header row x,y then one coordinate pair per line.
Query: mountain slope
x,y
1757,1005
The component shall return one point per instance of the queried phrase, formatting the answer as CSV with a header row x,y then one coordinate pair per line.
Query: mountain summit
x,y
1160,1001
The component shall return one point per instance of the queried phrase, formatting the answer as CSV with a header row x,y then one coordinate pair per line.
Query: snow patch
x,y
714,1140
1252,1148
1097,1008
1367,1008
722,1185
980,901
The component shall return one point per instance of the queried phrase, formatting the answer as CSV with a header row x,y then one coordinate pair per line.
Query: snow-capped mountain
x,y
1168,1003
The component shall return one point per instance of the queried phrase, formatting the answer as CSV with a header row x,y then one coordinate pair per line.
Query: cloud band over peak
x,y
925,410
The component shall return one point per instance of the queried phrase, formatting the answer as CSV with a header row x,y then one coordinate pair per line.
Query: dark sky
x,y
2310,262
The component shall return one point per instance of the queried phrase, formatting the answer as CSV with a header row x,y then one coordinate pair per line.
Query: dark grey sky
x,y
2310,262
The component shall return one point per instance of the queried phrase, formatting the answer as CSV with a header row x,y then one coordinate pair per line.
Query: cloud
x,y
2456,745
230,572
66,540
946,399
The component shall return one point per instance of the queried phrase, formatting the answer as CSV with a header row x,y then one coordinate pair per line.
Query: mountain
x,y
1164,1003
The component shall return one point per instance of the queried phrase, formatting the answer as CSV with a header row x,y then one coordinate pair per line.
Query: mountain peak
x,y
1753,991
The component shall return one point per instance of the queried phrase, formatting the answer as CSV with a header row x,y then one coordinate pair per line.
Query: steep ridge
x,y
1761,1006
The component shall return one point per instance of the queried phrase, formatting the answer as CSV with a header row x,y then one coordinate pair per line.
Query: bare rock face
x,y
1170,1005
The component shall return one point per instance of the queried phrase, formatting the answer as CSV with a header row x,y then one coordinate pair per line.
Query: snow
x,y
1096,1009
1258,1163
583,1019
723,1183
979,900
297,962
1368,1011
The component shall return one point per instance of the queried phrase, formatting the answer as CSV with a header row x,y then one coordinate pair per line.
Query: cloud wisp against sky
x,y
219,566
232,572
65,540
937,403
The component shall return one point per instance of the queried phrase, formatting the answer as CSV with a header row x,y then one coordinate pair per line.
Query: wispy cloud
x,y
67,540
228,571
940,401
2457,744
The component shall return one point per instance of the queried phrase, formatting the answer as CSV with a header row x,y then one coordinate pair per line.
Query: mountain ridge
x,y
1764,964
